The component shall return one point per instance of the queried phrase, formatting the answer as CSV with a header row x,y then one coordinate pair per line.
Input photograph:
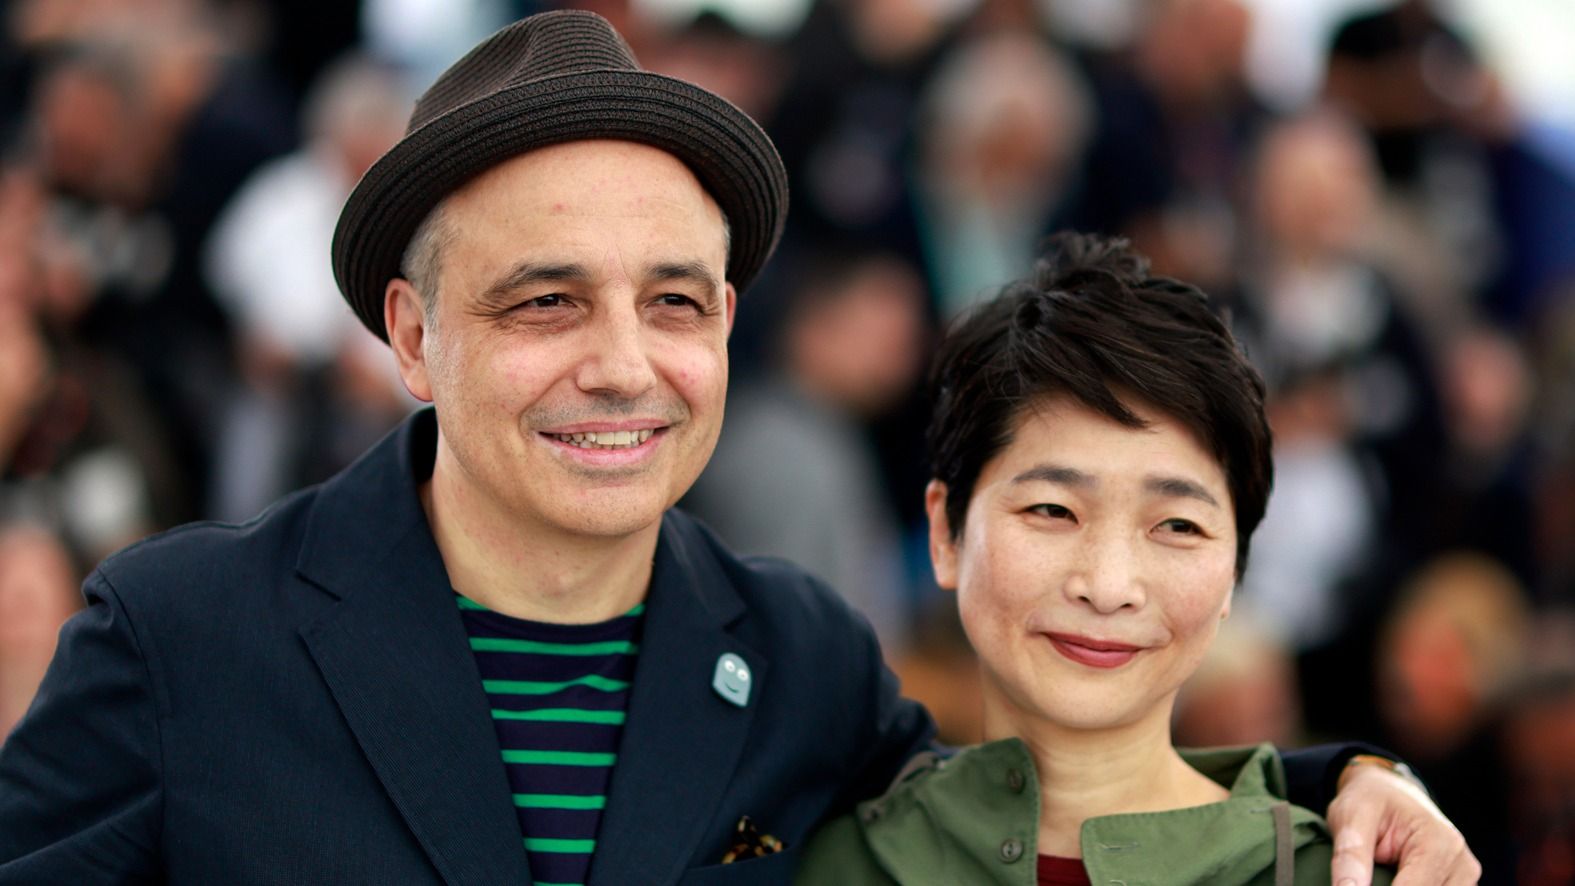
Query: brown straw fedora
x,y
551,78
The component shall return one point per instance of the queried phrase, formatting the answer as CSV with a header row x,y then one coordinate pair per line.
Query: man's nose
x,y
1107,576
618,361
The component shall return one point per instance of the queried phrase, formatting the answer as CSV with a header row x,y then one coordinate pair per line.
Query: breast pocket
x,y
769,870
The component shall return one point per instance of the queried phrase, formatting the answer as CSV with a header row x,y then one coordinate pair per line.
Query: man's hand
x,y
1380,815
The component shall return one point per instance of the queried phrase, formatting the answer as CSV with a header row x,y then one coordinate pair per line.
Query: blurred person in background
x,y
1176,123
1454,645
846,121
79,450
1552,355
940,670
1492,208
1004,123
147,126
38,592
849,346
1350,375
315,389
1539,730
1245,691
1485,499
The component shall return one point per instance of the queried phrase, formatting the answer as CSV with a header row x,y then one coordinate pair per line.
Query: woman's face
x,y
1095,565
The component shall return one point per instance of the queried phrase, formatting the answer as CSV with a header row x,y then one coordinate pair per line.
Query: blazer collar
x,y
682,741
395,657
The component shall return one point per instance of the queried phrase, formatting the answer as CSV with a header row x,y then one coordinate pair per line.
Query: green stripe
x,y
500,644
639,609
559,801
559,758
562,715
541,844
527,687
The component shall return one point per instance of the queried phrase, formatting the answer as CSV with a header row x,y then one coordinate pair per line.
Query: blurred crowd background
x,y
1377,192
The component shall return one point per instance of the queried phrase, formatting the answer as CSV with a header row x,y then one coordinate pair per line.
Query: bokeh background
x,y
1382,195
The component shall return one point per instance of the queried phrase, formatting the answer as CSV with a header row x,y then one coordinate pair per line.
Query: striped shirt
x,y
559,694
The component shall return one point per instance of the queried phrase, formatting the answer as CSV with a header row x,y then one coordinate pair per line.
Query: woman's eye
x,y
1181,527
1054,512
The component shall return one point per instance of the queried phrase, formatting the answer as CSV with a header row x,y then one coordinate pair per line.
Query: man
x,y
553,253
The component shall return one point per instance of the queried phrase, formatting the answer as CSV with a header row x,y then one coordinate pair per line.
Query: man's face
x,y
578,359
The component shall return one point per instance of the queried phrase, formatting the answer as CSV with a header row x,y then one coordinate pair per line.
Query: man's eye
x,y
1181,527
1054,512
545,301
676,300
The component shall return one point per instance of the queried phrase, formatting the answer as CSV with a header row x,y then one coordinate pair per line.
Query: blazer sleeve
x,y
80,782
1312,775
895,729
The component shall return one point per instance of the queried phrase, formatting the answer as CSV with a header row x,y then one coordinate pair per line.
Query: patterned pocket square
x,y
749,843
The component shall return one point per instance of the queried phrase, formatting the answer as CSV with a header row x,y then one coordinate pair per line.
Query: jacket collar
x,y
681,742
969,801
394,654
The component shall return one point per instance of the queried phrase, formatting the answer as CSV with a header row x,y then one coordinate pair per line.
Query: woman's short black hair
x,y
1091,324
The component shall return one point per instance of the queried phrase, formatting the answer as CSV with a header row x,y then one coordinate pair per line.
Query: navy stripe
x,y
555,780
557,693
567,824
522,735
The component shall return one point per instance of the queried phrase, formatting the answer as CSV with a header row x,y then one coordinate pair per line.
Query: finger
x,y
1466,871
1354,840
1423,870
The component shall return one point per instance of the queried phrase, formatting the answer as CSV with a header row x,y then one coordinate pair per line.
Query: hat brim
x,y
728,152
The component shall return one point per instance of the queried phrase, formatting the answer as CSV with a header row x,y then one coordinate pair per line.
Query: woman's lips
x,y
1094,653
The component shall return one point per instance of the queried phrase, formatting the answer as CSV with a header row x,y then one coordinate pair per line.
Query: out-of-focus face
x,y
578,361
1094,567
1316,187
38,592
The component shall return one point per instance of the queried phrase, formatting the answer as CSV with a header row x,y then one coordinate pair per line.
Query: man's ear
x,y
730,305
943,547
405,319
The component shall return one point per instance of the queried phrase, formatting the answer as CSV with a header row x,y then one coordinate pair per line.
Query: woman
x,y
1100,460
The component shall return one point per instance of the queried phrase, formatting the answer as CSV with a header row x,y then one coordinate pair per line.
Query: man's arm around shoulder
x,y
80,776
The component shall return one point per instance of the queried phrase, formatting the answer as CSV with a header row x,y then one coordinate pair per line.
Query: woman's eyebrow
x,y
1178,487
1057,474
1168,486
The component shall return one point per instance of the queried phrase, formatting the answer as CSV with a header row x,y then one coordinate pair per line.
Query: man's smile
x,y
607,439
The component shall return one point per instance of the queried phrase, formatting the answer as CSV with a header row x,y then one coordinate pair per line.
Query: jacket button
x,y
1011,850
1014,780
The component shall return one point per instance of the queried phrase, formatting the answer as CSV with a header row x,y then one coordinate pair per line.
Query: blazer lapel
x,y
394,654
681,741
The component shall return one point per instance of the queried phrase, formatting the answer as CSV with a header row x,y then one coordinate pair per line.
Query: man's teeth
x,y
607,439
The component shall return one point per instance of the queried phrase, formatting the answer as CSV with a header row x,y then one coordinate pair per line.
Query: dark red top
x,y
1057,871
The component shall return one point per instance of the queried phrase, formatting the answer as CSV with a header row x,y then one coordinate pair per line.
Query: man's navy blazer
x,y
294,701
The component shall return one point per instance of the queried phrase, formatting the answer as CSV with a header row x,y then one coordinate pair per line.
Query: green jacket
x,y
974,819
